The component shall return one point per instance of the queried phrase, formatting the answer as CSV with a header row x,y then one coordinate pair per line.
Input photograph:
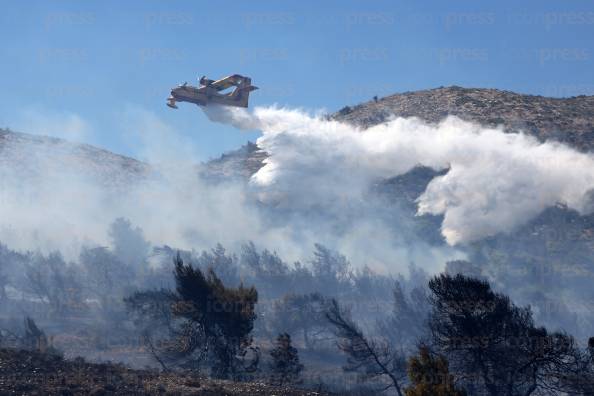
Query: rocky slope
x,y
237,164
569,120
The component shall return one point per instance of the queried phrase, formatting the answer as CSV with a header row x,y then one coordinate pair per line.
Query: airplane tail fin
x,y
242,94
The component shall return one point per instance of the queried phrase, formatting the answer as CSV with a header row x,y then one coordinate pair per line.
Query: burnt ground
x,y
33,373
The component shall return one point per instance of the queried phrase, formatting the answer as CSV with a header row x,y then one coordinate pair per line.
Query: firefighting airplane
x,y
211,91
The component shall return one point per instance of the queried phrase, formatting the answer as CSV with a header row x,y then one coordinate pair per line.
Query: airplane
x,y
211,91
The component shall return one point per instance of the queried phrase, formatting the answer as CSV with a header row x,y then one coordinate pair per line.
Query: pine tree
x,y
430,376
218,320
285,364
371,358
479,328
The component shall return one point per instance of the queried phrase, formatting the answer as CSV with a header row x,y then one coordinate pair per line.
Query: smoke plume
x,y
316,186
495,181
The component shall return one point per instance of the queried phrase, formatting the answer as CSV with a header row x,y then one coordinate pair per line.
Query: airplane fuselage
x,y
197,96
210,92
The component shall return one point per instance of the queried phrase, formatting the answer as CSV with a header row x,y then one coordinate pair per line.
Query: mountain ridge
x,y
568,120
28,154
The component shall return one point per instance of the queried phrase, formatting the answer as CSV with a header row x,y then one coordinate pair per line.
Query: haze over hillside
x,y
25,155
569,120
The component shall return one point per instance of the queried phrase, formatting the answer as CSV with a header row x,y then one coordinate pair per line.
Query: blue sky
x,y
90,70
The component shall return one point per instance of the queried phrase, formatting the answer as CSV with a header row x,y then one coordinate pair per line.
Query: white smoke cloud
x,y
63,125
60,201
154,141
316,183
496,181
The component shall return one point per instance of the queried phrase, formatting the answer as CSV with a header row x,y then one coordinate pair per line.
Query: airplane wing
x,y
230,81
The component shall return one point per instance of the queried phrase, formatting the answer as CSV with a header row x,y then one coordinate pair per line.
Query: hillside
x,y
24,155
547,263
569,120
237,164
33,373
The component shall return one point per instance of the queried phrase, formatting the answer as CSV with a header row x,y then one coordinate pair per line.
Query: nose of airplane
x,y
171,101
